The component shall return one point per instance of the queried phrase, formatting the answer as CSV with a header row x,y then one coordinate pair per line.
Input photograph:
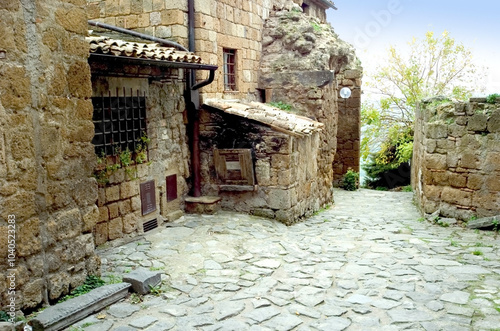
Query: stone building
x,y
139,119
267,51
72,183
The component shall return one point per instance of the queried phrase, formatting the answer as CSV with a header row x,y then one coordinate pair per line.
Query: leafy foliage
x,y
350,181
91,283
281,105
386,175
435,65
492,98
3,316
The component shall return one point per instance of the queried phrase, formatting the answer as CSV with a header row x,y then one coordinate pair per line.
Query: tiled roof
x,y
277,119
153,51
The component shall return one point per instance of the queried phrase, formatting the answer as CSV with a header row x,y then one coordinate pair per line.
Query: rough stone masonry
x,y
456,158
46,155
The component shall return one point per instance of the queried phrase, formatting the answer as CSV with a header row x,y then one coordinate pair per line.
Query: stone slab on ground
x,y
69,312
484,222
142,280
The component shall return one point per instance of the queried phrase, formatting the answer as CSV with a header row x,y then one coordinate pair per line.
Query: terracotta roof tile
x,y
278,119
108,46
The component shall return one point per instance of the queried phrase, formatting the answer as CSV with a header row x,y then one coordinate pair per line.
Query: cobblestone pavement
x,y
367,263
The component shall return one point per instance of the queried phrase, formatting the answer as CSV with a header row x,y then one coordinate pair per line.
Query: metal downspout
x,y
195,158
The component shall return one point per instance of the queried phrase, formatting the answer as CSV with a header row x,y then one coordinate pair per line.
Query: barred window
x,y
120,123
229,69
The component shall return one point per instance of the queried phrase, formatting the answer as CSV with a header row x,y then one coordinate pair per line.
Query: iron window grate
x,y
119,122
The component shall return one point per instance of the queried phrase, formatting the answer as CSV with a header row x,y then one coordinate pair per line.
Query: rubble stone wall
x,y
119,201
456,158
287,185
349,125
46,155
300,59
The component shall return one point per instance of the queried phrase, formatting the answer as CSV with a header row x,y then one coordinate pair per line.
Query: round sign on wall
x,y
345,92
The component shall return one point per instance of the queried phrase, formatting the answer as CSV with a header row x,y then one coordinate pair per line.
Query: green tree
x,y
434,66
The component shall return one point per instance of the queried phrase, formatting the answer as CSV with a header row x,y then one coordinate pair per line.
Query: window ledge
x,y
238,188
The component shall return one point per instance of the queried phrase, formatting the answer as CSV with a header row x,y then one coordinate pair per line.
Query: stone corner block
x,y
66,313
142,280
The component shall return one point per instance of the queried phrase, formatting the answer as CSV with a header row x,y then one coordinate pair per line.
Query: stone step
x,y
66,313
202,205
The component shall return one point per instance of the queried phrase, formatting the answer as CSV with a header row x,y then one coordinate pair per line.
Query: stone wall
x,y
286,181
300,59
349,125
119,201
456,158
46,155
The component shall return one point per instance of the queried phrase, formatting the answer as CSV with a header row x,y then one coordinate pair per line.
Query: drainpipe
x,y
192,106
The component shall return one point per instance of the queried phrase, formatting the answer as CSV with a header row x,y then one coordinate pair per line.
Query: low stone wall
x,y
456,158
286,180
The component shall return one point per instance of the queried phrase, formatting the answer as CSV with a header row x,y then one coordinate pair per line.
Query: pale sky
x,y
371,26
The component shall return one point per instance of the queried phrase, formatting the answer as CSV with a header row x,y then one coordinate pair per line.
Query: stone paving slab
x,y
367,263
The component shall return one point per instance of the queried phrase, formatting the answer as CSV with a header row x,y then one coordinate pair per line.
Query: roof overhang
x,y
278,120
111,65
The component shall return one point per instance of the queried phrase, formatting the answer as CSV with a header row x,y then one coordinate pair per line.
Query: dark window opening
x,y
305,8
229,69
261,95
120,123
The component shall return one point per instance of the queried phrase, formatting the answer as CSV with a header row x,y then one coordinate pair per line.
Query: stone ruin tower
x,y
304,63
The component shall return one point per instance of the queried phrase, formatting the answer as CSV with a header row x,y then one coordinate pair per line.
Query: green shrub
x,y
350,181
91,283
492,98
407,188
281,105
386,175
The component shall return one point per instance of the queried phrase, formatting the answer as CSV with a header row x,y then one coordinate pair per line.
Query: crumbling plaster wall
x,y
46,155
456,158
300,58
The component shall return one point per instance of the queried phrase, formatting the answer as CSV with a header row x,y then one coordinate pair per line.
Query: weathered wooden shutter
x,y
234,166
220,165
148,197
171,182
